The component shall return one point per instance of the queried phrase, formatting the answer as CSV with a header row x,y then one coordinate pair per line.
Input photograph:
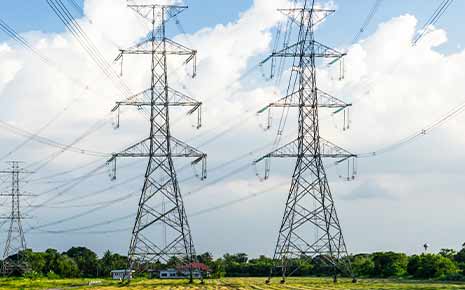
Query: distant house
x,y
177,274
121,274
196,266
199,270
168,274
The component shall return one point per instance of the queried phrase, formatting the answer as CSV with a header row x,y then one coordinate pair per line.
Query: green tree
x,y
36,261
460,256
51,261
236,258
173,262
260,267
389,264
218,269
321,266
86,260
205,258
111,261
448,253
427,266
66,267
363,265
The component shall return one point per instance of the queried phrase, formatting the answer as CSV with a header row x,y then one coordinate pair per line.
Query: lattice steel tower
x,y
15,242
310,227
161,231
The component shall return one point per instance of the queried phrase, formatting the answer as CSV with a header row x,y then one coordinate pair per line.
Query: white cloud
x,y
9,64
40,92
395,88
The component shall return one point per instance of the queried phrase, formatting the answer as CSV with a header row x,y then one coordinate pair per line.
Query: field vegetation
x,y
227,284
81,268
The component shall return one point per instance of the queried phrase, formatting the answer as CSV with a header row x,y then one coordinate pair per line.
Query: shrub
x,y
363,266
33,275
453,277
427,266
52,275
389,264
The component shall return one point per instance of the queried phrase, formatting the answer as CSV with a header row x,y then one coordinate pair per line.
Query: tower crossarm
x,y
147,11
325,100
161,46
177,149
175,99
291,150
295,51
19,194
172,48
301,15
142,149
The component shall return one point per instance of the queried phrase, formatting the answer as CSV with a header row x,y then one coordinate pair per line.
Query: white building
x,y
174,274
121,274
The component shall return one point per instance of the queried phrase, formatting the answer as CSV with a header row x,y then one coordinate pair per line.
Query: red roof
x,y
196,266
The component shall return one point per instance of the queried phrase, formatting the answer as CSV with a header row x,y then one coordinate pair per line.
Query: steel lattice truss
x,y
161,231
310,227
15,244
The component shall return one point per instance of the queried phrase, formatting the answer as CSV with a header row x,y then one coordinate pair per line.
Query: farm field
x,y
226,284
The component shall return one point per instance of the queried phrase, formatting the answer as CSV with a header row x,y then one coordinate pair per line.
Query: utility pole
x,y
310,228
15,243
161,232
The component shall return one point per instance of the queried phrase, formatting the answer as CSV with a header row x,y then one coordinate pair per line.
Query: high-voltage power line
x,y
160,233
15,244
310,227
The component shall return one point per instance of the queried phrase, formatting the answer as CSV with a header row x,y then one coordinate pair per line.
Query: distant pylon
x,y
310,228
161,232
16,242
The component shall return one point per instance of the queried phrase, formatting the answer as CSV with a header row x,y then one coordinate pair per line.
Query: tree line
x,y
77,262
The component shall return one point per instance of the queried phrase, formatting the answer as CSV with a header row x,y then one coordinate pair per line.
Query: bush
x,y
52,276
389,264
453,277
363,266
33,275
427,266
67,267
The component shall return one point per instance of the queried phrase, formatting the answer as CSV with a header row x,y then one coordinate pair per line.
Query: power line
x,y
69,187
50,142
422,132
309,205
89,47
93,204
231,173
12,33
65,172
237,201
87,212
16,241
23,42
199,189
78,230
440,10
367,21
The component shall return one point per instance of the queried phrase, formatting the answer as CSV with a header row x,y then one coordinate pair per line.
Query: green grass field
x,y
226,284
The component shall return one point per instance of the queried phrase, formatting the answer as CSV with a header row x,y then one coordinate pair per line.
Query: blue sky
x,y
24,15
399,183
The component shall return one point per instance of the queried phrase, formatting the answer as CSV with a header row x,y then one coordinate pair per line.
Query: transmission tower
x,y
15,243
310,228
161,230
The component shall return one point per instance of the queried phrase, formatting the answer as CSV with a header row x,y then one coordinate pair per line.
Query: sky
x,y
399,199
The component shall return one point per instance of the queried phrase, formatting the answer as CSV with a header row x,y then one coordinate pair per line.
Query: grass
x,y
227,284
